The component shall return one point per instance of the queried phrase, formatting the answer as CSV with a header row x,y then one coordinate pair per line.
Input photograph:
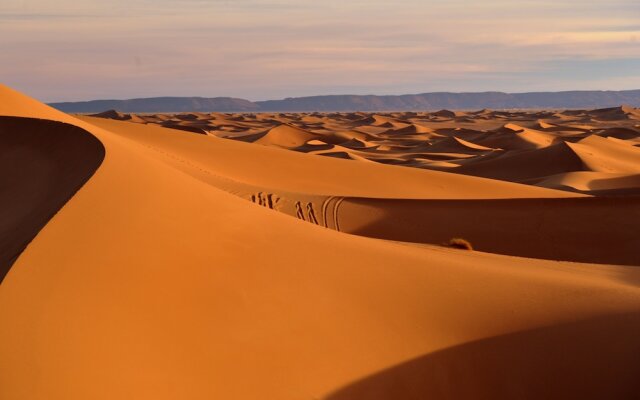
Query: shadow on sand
x,y
597,358
42,165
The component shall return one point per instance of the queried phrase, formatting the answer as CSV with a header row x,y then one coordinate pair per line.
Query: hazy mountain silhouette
x,y
414,102
159,104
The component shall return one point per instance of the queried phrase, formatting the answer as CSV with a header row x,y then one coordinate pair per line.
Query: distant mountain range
x,y
410,102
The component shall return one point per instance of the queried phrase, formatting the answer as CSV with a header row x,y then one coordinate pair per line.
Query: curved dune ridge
x,y
43,164
197,267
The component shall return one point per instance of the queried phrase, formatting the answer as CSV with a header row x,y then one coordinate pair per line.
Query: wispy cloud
x,y
273,48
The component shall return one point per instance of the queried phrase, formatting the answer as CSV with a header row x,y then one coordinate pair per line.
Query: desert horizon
x,y
478,240
575,99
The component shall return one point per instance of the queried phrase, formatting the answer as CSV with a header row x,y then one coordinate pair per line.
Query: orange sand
x,y
159,280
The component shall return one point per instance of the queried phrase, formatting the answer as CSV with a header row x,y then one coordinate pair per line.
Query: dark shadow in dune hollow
x,y
42,165
597,358
591,229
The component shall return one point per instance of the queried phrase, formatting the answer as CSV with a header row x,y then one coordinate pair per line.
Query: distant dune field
x,y
307,256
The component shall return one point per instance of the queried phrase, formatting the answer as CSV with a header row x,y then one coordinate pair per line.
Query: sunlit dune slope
x,y
157,281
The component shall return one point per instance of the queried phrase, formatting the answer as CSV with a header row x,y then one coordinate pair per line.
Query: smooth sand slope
x,y
159,280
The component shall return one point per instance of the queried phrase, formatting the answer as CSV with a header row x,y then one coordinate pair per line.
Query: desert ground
x,y
307,256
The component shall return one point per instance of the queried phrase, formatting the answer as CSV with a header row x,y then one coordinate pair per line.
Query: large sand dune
x,y
196,267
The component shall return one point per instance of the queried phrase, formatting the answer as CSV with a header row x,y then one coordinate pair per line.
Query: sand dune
x,y
598,183
603,155
196,267
412,129
514,137
521,166
525,147
620,133
615,113
285,136
454,144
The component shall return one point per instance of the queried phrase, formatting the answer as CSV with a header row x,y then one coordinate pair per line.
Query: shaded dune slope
x,y
480,367
555,229
520,166
596,183
43,164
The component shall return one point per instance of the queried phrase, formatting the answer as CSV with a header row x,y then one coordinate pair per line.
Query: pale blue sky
x,y
265,49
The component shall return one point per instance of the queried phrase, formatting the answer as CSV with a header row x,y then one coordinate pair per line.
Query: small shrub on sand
x,y
459,243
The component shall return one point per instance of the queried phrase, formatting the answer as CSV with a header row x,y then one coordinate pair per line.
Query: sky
x,y
69,50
